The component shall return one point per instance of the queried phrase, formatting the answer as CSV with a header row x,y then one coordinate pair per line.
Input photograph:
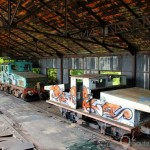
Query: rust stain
x,y
26,2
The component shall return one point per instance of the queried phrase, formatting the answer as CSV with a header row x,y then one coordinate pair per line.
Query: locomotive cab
x,y
17,78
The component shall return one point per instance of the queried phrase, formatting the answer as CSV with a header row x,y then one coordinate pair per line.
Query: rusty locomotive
x,y
18,79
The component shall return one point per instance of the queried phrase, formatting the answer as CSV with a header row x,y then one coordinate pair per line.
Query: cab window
x,y
27,67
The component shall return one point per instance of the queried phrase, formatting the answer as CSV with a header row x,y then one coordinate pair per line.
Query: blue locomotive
x,y
18,79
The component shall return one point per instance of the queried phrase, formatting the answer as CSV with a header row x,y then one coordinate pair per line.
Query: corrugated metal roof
x,y
45,28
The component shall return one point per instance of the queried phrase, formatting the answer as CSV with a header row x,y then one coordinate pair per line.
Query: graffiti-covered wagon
x,y
18,79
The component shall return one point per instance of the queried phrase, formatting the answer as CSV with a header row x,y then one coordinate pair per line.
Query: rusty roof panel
x,y
48,27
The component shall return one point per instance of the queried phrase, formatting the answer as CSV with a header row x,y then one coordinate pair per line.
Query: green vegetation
x,y
76,72
36,70
116,81
52,76
88,145
5,59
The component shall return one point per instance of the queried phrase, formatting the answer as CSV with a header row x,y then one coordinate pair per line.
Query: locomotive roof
x,y
8,63
5,63
29,75
94,75
136,98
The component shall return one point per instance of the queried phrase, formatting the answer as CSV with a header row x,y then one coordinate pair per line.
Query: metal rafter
x,y
6,42
9,11
82,46
31,12
15,12
142,23
132,12
62,45
104,23
69,22
44,23
19,42
67,37
73,25
66,20
2,18
41,42
80,29
103,44
129,9
32,45
66,16
11,47
52,40
57,13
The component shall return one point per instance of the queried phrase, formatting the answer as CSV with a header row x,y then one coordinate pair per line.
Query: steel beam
x,y
19,42
66,17
52,40
77,28
66,20
15,12
1,41
29,44
101,22
103,44
82,46
2,18
42,43
9,11
32,12
104,23
57,14
67,37
133,13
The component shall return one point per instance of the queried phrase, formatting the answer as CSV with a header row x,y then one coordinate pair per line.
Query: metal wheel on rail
x,y
23,96
69,115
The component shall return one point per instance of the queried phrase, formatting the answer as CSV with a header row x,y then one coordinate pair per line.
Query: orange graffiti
x,y
56,90
110,108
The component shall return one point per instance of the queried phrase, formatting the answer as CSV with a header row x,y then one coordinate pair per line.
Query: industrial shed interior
x,y
69,37
116,32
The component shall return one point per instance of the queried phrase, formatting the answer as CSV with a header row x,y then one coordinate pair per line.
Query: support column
x,y
61,70
134,69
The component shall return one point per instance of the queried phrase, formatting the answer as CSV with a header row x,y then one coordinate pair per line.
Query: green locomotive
x,y
18,79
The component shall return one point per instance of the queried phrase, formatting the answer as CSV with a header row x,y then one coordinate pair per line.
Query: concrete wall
x,y
121,63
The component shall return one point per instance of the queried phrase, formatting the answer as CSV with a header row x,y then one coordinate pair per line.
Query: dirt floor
x,y
41,124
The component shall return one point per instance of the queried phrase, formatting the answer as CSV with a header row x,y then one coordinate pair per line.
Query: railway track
x,y
53,110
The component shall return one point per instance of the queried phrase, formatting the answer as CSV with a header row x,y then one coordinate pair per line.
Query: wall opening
x,y
116,81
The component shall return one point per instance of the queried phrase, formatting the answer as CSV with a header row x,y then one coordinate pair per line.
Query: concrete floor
x,y
47,131
10,139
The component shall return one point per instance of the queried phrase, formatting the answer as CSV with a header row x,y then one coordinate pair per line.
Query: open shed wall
x,y
121,63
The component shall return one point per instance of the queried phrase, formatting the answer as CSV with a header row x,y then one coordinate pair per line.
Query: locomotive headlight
x,y
30,93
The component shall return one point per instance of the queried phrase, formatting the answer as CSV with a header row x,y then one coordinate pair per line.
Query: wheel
x,y
2,88
6,89
13,92
9,91
41,97
23,96
125,141
18,95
